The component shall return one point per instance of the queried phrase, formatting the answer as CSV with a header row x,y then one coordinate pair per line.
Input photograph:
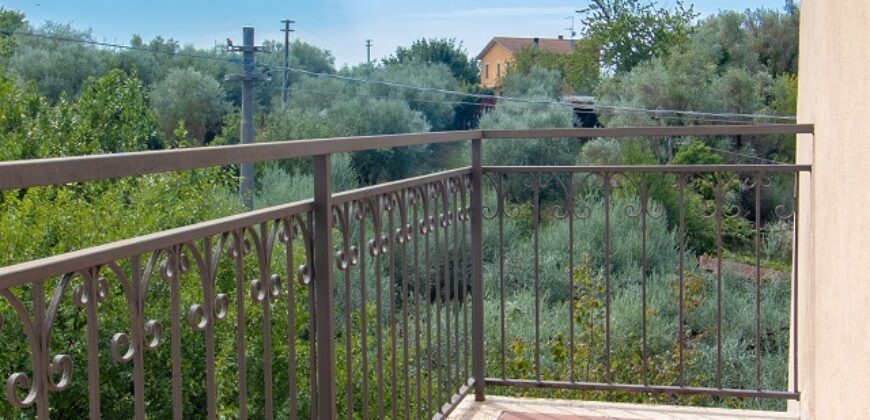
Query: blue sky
x,y
340,26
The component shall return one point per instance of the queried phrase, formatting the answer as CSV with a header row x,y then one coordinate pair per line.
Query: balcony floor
x,y
507,408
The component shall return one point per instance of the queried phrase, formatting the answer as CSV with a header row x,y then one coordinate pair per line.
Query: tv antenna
x,y
571,29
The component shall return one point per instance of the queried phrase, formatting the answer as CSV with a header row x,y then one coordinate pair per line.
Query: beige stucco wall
x,y
834,251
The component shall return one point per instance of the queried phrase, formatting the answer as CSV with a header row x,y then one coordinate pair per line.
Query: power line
x,y
700,114
228,59
726,116
529,100
489,105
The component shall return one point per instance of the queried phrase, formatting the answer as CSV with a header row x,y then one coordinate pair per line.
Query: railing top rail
x,y
780,168
696,130
346,196
55,265
56,171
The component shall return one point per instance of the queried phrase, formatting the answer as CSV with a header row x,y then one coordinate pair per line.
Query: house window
x,y
498,70
486,71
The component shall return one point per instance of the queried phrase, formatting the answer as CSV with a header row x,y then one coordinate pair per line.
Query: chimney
x,y
537,42
561,37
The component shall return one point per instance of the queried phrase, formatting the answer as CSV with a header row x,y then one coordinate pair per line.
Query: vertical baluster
x,y
570,214
239,254
607,190
536,193
312,317
323,287
454,220
437,280
172,263
681,186
345,266
794,276
429,275
415,199
463,263
449,346
478,363
644,210
445,288
379,249
93,290
40,353
267,279
758,184
394,355
291,317
501,307
138,329
719,216
363,311
208,305
403,233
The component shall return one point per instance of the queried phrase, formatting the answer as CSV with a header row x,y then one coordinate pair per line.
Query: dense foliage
x,y
447,51
633,31
193,99
580,68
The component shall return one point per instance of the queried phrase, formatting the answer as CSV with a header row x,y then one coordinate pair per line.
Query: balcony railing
x,y
393,300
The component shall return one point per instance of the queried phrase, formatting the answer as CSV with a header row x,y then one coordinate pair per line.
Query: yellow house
x,y
497,56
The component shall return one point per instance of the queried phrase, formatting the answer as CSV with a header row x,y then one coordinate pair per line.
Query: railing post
x,y
323,287
477,360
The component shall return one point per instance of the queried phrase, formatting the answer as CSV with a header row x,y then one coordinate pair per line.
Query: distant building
x,y
497,56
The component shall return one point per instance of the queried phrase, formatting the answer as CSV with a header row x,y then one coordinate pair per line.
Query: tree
x,y
633,31
358,116
435,106
440,50
111,115
775,37
323,107
716,70
21,106
10,22
538,82
58,67
580,68
188,95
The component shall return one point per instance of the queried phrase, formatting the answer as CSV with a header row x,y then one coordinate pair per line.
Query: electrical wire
x,y
489,105
529,100
228,59
660,113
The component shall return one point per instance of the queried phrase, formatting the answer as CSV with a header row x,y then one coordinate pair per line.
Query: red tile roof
x,y
560,46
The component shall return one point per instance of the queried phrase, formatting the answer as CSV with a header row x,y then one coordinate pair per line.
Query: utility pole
x,y
286,81
248,77
369,51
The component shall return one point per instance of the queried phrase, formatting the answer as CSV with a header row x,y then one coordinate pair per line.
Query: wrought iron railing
x,y
361,304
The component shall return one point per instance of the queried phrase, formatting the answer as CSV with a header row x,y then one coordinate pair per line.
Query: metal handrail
x,y
55,171
439,197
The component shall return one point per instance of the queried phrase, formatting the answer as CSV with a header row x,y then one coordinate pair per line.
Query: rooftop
x,y
556,45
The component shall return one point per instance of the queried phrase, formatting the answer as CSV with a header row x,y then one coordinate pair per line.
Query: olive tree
x,y
190,96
